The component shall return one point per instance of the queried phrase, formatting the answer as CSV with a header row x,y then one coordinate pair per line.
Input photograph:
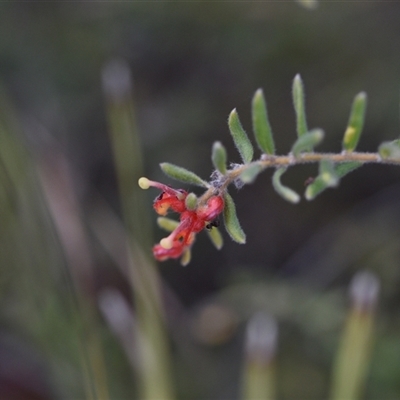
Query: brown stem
x,y
272,161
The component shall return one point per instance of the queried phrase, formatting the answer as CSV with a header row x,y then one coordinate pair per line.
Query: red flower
x,y
191,222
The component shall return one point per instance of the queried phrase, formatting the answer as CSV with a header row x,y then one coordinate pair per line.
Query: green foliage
x,y
218,157
389,150
287,193
240,137
191,201
250,173
345,168
231,220
182,175
261,126
356,122
216,238
327,178
307,141
299,106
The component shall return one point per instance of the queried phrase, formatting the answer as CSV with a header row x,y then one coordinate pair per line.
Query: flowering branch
x,y
199,213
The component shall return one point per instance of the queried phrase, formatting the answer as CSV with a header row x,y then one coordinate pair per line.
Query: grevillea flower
x,y
193,218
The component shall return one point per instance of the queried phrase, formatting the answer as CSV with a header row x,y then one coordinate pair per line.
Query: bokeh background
x,y
191,63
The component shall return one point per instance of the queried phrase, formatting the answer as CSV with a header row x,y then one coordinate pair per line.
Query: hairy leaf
x,y
218,157
167,224
299,106
343,169
356,122
307,141
182,175
287,193
250,173
216,238
186,257
390,149
240,137
261,126
231,221
327,178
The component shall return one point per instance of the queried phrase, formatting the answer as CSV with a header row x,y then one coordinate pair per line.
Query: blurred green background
x,y
191,64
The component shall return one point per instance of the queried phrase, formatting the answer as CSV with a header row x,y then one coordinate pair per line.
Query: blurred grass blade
x,y
299,106
353,355
152,342
182,175
287,193
390,149
216,238
261,126
310,4
250,173
258,380
240,137
218,157
356,122
231,220
307,141
326,178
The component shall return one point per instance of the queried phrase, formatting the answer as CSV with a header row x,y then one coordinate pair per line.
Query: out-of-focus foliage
x,y
191,64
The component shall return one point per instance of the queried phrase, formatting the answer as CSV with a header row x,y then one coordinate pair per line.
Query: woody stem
x,y
272,161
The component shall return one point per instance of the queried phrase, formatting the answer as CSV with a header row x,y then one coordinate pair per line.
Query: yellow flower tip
x,y
144,183
166,243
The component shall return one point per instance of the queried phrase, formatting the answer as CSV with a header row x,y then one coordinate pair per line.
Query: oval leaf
x,y
240,137
218,157
231,221
186,257
356,122
261,126
327,178
167,224
390,149
250,173
287,193
216,238
343,169
182,175
307,142
299,106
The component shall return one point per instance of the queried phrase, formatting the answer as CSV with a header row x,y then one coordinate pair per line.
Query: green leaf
x,y
356,122
216,238
186,257
191,201
250,173
231,221
343,169
218,157
261,126
327,178
390,149
182,175
307,141
240,137
167,224
287,193
299,106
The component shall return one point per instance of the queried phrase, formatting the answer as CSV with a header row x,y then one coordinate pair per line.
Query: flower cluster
x,y
195,215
